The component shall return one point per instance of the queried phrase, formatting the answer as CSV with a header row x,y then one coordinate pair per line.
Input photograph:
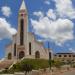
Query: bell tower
x,y
22,24
22,31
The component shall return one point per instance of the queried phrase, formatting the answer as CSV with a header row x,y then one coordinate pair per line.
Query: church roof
x,y
23,6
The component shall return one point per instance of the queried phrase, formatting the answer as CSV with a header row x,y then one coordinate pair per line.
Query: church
x,y
24,44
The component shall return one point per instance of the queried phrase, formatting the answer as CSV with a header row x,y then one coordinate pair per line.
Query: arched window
x,y
21,32
29,48
37,54
9,56
15,49
21,54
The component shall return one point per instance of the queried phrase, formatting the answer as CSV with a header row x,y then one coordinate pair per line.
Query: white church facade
x,y
24,44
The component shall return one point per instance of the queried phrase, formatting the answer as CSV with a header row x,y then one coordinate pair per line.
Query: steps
x,y
5,64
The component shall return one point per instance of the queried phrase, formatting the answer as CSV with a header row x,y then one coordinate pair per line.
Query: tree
x,y
26,68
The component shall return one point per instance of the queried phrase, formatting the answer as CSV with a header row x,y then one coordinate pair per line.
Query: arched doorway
x,y
9,56
37,54
21,54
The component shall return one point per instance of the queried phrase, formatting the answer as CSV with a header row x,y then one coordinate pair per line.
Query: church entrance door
x,y
21,54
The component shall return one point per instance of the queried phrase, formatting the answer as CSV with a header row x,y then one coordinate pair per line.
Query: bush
x,y
73,65
36,63
58,64
29,64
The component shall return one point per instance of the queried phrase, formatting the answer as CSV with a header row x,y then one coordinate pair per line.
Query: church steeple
x,y
22,23
23,6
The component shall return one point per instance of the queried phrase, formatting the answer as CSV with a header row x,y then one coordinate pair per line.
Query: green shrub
x,y
58,64
33,64
36,63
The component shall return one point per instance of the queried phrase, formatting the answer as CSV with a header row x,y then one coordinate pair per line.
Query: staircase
x,y
5,64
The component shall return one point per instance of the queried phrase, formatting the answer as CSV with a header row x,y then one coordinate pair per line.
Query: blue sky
x,y
49,20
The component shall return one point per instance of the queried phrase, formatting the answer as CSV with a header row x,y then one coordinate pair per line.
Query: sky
x,y
51,21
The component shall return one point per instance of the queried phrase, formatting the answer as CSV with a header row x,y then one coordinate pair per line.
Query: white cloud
x,y
59,31
51,14
38,14
40,40
72,50
65,8
56,24
47,2
6,31
6,11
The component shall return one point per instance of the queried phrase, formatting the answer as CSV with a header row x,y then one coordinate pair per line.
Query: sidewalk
x,y
60,72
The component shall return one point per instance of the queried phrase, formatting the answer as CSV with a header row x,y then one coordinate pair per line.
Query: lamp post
x,y
49,55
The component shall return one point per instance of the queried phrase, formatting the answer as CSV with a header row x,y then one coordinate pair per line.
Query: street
x,y
69,73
